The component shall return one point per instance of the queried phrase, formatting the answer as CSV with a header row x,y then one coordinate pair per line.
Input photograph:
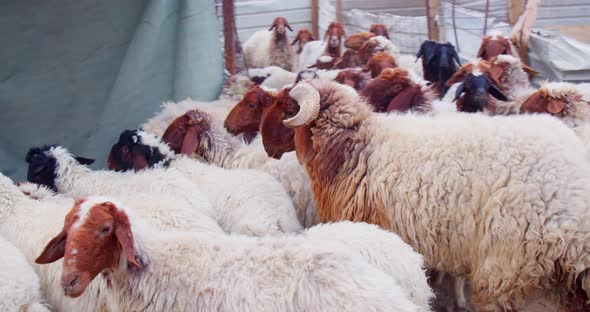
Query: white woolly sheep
x,y
245,201
28,224
385,250
229,273
277,78
215,145
331,45
503,200
270,48
19,284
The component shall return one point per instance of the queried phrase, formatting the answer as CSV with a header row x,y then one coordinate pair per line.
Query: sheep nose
x,y
69,282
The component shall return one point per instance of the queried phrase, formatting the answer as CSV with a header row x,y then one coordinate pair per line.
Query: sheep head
x,y
304,36
476,86
185,133
276,137
96,234
355,41
353,78
349,59
379,62
392,90
306,74
279,24
334,34
503,65
494,45
379,30
542,101
245,116
131,153
43,165
368,49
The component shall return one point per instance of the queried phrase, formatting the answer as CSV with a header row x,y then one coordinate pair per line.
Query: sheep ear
x,y
496,73
459,91
457,77
456,56
530,70
303,144
482,49
272,26
191,141
54,250
495,92
139,162
85,161
288,26
555,106
420,53
295,41
403,100
124,234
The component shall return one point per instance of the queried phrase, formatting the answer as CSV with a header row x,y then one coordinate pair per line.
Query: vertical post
x,y
339,11
455,27
432,9
485,19
515,10
229,24
315,18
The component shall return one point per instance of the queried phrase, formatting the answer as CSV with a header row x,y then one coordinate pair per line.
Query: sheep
x,y
150,268
259,207
375,45
379,62
495,44
27,224
438,63
331,45
303,36
516,194
355,78
379,30
277,78
325,62
394,90
170,111
216,146
270,48
504,77
19,284
56,168
355,41
383,249
235,86
349,59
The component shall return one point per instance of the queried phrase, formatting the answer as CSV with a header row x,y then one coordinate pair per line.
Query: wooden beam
x,y
339,11
229,25
315,18
515,10
432,9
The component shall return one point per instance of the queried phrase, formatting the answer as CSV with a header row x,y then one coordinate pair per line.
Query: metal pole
x,y
455,27
485,20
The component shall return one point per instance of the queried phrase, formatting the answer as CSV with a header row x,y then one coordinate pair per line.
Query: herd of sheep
x,y
330,175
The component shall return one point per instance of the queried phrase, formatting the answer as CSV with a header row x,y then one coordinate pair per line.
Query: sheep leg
x,y
460,292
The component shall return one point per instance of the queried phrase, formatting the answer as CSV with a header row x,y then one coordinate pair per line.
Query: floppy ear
x,y
495,92
139,162
403,100
85,161
482,49
54,250
496,73
272,26
288,26
530,70
296,39
191,141
459,91
555,106
457,77
124,234
420,53
303,144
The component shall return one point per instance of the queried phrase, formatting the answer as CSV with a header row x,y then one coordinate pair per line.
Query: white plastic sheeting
x,y
77,73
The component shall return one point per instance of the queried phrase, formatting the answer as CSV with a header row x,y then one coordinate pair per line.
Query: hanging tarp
x,y
76,73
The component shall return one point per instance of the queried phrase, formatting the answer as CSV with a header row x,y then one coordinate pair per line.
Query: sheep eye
x,y
105,230
251,106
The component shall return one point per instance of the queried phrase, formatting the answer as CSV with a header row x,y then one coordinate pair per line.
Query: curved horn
x,y
309,105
